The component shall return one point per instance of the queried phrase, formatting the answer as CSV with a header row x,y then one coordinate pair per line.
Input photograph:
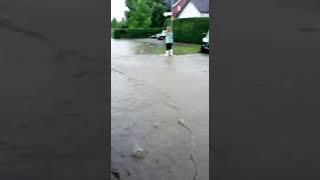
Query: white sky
x,y
118,7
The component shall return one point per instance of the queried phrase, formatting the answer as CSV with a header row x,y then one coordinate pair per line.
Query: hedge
x,y
187,30
118,33
190,30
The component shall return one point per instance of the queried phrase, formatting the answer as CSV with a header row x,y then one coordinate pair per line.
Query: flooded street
x,y
160,106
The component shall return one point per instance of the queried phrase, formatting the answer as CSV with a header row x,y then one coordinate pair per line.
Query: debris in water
x,y
156,124
181,121
172,105
114,174
138,152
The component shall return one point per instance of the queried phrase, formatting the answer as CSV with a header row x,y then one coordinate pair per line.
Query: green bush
x,y
190,30
118,33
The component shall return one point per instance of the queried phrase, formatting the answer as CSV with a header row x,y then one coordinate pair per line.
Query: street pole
x,y
171,12
172,17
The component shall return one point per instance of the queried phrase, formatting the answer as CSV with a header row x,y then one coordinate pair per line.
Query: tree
x,y
146,13
114,23
158,8
139,14
123,23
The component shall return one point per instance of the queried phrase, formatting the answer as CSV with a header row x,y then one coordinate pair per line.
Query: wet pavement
x,y
160,106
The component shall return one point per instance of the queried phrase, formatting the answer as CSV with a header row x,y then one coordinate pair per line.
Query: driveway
x,y
161,105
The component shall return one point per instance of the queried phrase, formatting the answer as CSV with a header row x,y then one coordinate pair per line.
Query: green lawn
x,y
178,48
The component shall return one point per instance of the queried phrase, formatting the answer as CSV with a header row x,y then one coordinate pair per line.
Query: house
x,y
190,8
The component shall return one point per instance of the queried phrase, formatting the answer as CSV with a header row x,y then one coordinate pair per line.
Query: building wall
x,y
204,14
190,11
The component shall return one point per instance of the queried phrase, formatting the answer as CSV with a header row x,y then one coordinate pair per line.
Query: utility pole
x,y
172,18
171,13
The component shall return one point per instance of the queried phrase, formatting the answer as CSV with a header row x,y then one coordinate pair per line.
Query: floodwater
x,y
159,105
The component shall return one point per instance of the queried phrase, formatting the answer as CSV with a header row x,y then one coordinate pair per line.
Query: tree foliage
x,y
114,23
146,13
158,8
123,23
139,14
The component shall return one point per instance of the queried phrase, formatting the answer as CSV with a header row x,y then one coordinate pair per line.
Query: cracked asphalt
x,y
160,104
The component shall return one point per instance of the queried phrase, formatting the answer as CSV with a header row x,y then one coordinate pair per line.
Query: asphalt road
x,y
53,90
160,104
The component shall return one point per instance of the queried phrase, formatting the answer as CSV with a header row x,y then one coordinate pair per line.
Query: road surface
x,y
160,104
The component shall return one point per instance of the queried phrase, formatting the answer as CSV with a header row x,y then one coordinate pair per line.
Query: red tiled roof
x,y
178,6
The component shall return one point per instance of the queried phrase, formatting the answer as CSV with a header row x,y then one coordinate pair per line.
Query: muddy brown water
x,y
151,96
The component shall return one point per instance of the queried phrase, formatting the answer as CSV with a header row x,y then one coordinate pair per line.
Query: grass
x,y
178,48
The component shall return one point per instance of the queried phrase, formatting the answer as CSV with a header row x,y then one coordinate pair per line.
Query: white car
x,y
161,35
205,43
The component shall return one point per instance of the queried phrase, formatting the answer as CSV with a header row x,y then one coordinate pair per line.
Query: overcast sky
x,y
117,9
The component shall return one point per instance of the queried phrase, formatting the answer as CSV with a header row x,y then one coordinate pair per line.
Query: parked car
x,y
205,43
159,36
162,35
153,36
